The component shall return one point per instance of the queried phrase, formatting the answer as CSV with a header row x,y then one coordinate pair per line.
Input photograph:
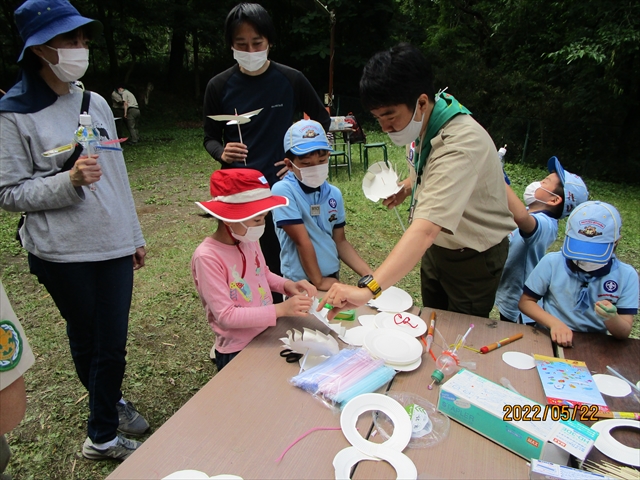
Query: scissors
x,y
290,355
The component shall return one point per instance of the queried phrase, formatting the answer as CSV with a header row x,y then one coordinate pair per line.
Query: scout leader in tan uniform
x,y
459,216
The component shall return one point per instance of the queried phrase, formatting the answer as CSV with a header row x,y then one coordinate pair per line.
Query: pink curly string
x,y
301,437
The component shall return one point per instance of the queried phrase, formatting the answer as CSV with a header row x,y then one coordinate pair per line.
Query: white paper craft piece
x,y
611,447
612,386
235,119
393,346
519,360
393,299
367,320
406,322
312,342
380,182
362,449
322,316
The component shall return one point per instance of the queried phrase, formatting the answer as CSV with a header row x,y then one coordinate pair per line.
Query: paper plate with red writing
x,y
406,322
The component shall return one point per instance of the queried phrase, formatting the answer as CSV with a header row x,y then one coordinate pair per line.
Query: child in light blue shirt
x,y
548,200
584,288
311,228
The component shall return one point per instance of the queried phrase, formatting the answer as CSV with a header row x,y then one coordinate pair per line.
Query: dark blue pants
x,y
94,298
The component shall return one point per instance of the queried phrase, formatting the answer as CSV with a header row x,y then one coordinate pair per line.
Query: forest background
x,y
544,77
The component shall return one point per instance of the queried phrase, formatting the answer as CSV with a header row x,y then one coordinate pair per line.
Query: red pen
x,y
432,327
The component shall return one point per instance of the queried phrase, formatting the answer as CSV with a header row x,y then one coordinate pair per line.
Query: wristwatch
x,y
369,282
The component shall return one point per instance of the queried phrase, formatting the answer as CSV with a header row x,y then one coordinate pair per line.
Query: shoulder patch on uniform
x,y
10,346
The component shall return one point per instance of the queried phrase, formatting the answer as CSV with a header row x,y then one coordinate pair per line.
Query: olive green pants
x,y
463,281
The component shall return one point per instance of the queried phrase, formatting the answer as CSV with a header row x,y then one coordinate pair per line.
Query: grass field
x,y
169,339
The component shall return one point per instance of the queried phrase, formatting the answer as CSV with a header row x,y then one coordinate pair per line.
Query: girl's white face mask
x,y
251,61
252,234
315,175
409,133
72,63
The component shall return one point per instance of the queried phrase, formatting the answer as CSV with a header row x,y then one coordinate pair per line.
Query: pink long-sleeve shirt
x,y
238,306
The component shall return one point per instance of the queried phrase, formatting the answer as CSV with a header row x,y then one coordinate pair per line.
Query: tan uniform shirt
x,y
128,97
462,188
15,353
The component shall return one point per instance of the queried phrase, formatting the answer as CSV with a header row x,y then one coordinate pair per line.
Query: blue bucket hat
x,y
38,21
592,231
304,137
575,191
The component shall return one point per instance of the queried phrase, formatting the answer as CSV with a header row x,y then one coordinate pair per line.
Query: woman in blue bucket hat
x,y
83,243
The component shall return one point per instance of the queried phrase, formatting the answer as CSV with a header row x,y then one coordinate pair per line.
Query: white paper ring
x,y
611,447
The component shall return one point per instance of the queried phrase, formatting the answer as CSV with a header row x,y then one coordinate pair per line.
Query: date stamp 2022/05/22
x,y
539,413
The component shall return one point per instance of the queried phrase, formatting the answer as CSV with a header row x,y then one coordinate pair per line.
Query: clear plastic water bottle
x,y
86,136
501,153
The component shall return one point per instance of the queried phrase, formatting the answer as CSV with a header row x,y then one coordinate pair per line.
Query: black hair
x,y
396,76
254,14
556,212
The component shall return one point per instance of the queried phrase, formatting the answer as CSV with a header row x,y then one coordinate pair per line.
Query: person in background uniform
x,y
130,112
257,83
16,358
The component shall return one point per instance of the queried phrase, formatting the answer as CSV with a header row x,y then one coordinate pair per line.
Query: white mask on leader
x,y
315,175
588,266
252,234
409,133
529,195
251,61
72,63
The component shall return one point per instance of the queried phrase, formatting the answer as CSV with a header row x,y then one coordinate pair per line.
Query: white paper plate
x,y
367,320
393,346
405,368
612,386
519,360
355,336
393,299
407,322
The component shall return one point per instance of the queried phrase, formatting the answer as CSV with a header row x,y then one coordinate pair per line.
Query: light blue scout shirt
x,y
330,215
559,288
524,254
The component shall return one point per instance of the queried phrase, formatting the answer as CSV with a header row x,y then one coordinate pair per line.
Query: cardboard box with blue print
x,y
479,404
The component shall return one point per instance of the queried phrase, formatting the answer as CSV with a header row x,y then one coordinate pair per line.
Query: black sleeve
x,y
213,130
308,102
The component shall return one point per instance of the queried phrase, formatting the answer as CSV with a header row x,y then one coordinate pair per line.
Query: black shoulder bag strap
x,y
68,165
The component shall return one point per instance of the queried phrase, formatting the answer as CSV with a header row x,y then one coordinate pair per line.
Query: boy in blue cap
x,y
555,197
584,288
311,228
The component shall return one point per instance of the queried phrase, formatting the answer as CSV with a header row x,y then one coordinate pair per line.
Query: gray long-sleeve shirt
x,y
66,223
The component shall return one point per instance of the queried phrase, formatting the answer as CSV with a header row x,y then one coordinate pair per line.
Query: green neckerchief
x,y
446,107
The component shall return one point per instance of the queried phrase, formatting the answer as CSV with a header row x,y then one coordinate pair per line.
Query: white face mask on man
x,y
409,133
252,234
315,175
72,63
251,61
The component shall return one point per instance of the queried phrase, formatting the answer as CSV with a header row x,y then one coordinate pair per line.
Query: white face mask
x,y
253,234
315,175
588,266
72,63
529,195
409,133
251,61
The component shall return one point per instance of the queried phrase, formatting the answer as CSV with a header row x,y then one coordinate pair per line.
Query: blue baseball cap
x,y
304,137
593,229
38,21
575,191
